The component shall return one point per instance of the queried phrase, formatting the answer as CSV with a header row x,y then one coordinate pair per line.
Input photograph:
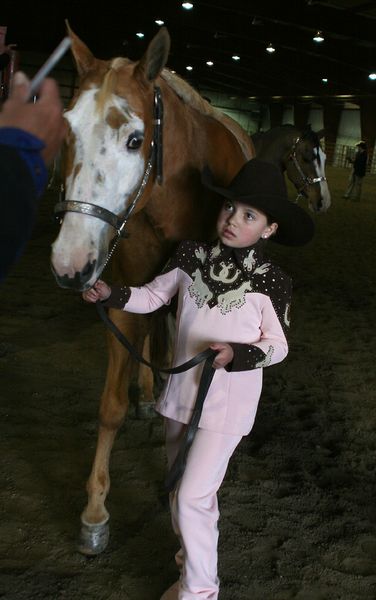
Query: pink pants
x,y
194,508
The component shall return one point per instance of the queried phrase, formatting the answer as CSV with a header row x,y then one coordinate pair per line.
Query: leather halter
x,y
306,181
155,159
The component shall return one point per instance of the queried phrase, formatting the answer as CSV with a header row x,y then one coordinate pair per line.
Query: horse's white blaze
x,y
320,171
104,173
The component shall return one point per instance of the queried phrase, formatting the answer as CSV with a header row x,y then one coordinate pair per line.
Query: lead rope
x,y
177,469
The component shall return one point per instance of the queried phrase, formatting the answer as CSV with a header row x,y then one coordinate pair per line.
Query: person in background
x,y
30,137
359,162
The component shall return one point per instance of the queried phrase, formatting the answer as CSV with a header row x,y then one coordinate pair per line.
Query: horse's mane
x,y
185,92
306,133
189,95
109,82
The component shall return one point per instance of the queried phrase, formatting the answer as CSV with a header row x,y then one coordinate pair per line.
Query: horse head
x,y
305,167
108,147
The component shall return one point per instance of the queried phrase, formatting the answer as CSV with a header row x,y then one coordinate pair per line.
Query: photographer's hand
x,y
44,119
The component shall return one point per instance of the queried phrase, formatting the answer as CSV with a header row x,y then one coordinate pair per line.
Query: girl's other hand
x,y
225,355
99,291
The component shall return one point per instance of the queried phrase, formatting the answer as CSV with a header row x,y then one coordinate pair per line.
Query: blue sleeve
x,y
29,149
18,207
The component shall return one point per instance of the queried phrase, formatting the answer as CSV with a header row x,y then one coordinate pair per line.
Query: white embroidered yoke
x,y
224,295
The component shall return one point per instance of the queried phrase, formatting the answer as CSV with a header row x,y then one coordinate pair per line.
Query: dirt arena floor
x,y
298,512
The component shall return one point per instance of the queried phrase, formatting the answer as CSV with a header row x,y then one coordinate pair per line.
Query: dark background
x,y
217,30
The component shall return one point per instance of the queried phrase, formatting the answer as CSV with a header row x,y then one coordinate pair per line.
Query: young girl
x,y
236,302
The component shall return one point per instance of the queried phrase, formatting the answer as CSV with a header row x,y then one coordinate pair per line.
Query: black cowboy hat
x,y
261,185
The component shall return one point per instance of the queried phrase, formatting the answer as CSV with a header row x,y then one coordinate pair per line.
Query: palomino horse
x,y
299,153
113,164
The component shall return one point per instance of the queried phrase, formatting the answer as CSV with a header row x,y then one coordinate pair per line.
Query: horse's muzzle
x,y
81,279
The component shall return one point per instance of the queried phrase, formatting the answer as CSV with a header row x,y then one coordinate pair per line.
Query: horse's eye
x,y
134,141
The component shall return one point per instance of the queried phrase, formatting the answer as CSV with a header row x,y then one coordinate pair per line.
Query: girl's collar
x,y
224,250
221,252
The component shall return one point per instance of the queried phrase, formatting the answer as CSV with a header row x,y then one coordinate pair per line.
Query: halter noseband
x,y
155,158
305,179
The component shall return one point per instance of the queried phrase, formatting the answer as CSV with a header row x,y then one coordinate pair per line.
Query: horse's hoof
x,y
93,538
145,410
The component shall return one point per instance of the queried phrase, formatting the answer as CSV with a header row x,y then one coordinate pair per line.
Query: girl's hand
x,y
225,355
99,291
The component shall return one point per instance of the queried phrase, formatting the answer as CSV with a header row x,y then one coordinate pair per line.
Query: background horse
x,y
114,149
299,153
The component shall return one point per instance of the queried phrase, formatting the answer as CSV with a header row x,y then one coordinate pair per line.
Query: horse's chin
x,y
317,210
319,204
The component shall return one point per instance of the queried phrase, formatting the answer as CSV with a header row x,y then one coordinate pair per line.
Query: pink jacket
x,y
225,295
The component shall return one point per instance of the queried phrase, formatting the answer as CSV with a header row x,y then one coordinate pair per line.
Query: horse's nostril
x,y
80,279
88,270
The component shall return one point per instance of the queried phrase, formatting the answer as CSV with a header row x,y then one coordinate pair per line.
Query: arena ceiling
x,y
216,31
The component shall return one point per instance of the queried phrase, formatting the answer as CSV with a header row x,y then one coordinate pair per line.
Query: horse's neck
x,y
245,142
182,208
275,145
202,137
192,100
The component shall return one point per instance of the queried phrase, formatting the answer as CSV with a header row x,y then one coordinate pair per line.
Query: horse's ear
x,y
320,134
155,57
83,57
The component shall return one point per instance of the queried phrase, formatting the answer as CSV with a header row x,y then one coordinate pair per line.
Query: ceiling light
x,y
209,63
159,22
187,5
189,68
318,37
140,34
270,48
324,80
372,76
235,57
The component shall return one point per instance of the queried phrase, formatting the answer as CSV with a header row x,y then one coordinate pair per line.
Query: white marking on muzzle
x,y
320,172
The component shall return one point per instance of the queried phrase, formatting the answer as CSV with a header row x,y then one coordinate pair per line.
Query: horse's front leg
x,y
145,384
113,409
